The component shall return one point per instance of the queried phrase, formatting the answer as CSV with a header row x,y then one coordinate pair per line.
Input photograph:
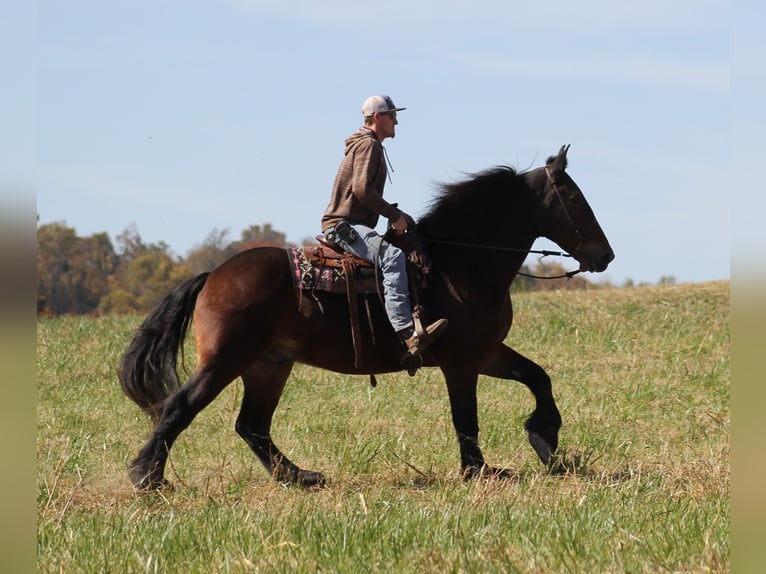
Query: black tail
x,y
148,369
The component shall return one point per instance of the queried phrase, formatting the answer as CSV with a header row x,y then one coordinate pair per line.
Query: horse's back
x,y
249,276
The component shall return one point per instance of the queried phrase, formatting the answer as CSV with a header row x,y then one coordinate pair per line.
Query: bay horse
x,y
247,322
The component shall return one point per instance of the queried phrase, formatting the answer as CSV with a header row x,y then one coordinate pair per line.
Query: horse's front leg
x,y
544,423
461,386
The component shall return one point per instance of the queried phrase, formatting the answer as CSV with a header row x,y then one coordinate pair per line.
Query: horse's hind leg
x,y
263,384
544,423
148,469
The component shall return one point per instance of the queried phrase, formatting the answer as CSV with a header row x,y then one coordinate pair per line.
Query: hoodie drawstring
x,y
390,169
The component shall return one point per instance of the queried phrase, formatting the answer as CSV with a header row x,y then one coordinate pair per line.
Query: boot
x,y
421,339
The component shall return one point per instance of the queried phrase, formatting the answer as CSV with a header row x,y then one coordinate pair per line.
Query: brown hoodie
x,y
357,194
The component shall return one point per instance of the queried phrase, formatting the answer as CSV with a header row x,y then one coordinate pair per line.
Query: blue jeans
x,y
392,262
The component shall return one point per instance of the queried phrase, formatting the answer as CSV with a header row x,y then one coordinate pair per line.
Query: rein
x,y
542,253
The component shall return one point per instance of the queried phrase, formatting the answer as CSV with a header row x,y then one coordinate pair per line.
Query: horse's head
x,y
565,217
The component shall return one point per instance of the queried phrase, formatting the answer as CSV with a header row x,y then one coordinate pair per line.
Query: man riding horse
x,y
355,206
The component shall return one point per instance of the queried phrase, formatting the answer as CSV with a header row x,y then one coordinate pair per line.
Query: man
x,y
355,206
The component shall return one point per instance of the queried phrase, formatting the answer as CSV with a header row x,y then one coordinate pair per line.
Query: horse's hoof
x,y
503,474
487,472
541,446
308,479
470,472
144,482
148,486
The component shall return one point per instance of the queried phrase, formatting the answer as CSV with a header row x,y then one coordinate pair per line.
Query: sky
x,y
180,119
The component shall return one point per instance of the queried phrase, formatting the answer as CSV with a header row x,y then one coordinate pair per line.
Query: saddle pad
x,y
308,276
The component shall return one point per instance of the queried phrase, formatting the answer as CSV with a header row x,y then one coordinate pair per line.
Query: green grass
x,y
641,484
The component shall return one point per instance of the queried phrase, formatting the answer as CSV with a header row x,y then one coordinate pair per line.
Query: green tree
x,y
147,273
131,245
72,271
214,250
54,242
79,275
256,236
152,275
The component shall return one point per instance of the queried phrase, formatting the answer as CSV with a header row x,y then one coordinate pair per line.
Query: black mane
x,y
466,204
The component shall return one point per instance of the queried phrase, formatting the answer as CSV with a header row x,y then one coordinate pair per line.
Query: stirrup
x,y
422,337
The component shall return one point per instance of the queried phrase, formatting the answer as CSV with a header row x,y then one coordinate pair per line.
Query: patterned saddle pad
x,y
316,268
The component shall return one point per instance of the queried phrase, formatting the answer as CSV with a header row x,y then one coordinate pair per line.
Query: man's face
x,y
386,125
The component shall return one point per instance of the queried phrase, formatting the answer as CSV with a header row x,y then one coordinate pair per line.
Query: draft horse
x,y
248,324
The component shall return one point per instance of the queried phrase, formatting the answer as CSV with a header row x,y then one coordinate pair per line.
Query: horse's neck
x,y
484,268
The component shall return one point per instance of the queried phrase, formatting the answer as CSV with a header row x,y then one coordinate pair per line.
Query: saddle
x,y
327,268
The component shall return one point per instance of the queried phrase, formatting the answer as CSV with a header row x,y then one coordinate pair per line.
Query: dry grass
x,y
641,482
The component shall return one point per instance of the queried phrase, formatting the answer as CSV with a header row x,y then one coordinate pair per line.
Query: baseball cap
x,y
379,104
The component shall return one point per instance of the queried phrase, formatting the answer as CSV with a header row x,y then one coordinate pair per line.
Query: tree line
x,y
91,276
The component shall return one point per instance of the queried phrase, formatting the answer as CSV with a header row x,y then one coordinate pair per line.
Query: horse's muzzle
x,y
596,258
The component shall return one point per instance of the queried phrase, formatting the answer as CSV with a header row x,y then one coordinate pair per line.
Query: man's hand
x,y
400,225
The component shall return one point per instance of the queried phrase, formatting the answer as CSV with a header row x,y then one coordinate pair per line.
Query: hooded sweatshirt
x,y
357,194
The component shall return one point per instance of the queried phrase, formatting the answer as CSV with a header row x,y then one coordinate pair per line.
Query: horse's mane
x,y
471,201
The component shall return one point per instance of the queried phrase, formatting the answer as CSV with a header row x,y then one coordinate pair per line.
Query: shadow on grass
x,y
563,464
579,464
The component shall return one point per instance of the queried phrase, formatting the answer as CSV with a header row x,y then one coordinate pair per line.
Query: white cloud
x,y
620,29
550,15
708,76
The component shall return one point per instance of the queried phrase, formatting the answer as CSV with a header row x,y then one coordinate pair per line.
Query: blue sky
x,y
186,117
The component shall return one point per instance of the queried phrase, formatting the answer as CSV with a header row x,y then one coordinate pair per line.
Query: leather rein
x,y
542,253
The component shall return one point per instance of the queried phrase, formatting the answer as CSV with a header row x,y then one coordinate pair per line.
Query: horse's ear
x,y
560,161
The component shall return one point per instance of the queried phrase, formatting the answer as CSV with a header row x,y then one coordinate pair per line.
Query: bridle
x,y
557,191
542,253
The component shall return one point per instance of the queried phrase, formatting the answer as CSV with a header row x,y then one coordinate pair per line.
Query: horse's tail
x,y
148,369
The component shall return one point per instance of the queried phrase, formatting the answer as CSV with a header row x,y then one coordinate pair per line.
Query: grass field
x,y
642,379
